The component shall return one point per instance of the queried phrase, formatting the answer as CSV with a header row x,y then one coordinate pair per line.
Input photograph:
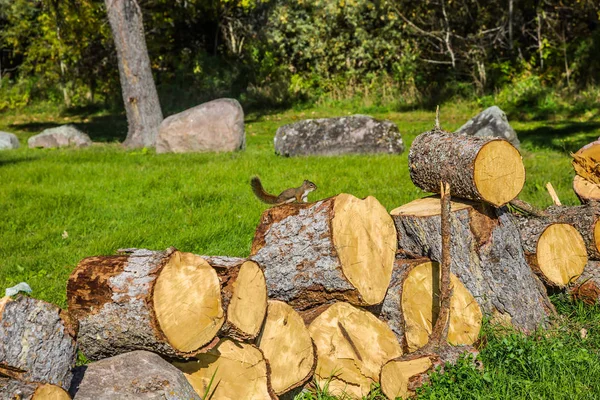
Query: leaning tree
x,y
137,84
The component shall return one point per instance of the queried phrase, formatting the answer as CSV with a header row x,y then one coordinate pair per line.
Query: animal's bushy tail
x,y
260,192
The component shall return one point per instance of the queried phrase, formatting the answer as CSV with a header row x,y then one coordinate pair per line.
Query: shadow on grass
x,y
102,128
549,136
17,160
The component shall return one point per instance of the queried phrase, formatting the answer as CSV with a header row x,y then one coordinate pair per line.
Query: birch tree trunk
x,y
137,84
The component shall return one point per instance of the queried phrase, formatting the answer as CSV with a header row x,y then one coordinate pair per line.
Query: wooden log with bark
x,y
37,342
477,168
137,374
244,296
341,248
586,219
555,251
487,257
352,346
14,389
167,302
585,190
288,347
411,305
587,287
231,370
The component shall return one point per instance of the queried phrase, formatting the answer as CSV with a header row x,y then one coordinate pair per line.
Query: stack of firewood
x,y
335,292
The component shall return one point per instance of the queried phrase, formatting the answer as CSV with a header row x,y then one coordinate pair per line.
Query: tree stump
x,y
487,257
586,219
411,305
230,370
352,346
477,168
244,296
287,346
587,287
37,342
341,248
13,389
556,252
167,302
138,374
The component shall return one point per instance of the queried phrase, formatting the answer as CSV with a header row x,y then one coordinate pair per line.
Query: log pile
x,y
337,293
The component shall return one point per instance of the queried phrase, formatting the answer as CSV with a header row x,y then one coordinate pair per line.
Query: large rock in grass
x,y
490,122
135,375
8,141
61,136
214,126
356,134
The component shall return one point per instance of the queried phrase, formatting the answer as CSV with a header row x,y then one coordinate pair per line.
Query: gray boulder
x,y
214,126
490,122
356,134
8,141
61,136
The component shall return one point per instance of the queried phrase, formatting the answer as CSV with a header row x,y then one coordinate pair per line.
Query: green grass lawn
x,y
59,206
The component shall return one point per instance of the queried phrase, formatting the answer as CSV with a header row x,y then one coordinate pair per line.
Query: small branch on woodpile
x,y
437,118
522,207
553,194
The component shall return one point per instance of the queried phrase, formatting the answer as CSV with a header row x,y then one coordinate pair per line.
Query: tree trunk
x,y
137,84
487,257
341,248
287,346
14,389
477,168
236,370
352,346
555,251
587,287
243,296
166,302
586,220
138,374
37,342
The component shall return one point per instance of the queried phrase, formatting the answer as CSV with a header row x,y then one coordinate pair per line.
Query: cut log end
x,y
420,308
187,302
396,376
18,390
499,173
561,255
231,370
365,240
50,392
248,304
286,344
586,190
352,346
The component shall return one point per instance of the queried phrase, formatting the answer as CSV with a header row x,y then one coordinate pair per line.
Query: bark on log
x,y
487,257
585,190
37,342
14,389
586,219
236,370
134,375
587,287
352,346
287,346
477,168
244,296
341,248
411,305
166,302
556,252
137,84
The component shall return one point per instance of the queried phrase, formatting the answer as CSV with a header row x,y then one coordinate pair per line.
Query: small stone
x,y
356,134
8,141
61,136
490,122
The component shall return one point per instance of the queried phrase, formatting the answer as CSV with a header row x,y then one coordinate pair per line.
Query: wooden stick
x,y
553,194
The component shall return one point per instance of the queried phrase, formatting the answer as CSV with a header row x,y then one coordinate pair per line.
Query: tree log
x,y
487,257
352,346
477,168
230,370
134,375
166,302
244,296
587,287
585,190
556,252
341,248
287,346
586,219
37,342
411,305
14,389
586,162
